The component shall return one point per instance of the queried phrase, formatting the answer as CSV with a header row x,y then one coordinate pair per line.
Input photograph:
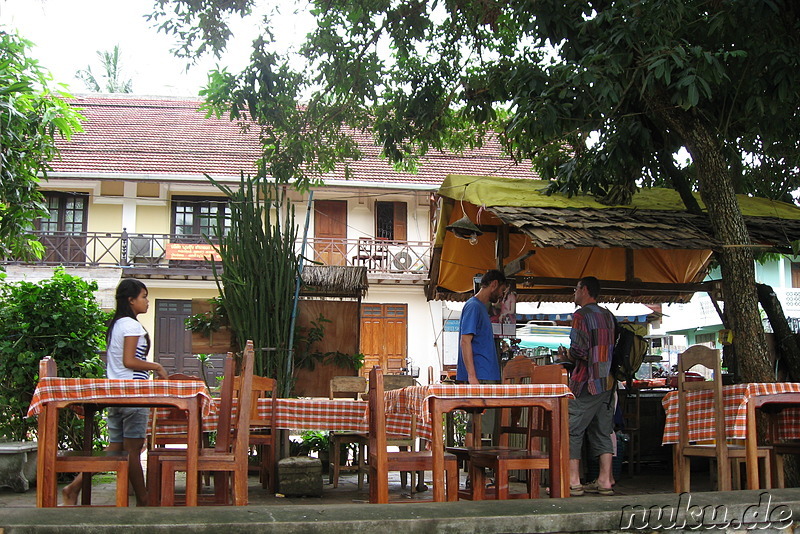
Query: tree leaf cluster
x,y
33,114
110,80
56,317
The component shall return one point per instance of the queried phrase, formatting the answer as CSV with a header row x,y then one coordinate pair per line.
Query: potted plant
x,y
317,441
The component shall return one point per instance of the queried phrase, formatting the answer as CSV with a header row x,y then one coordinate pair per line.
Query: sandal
x,y
594,487
576,491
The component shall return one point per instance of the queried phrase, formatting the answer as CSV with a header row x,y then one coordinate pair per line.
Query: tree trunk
x,y
736,258
785,341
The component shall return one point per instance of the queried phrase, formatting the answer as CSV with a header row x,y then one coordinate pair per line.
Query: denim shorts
x,y
127,423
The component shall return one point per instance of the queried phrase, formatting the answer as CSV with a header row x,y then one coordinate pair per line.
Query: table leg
x,y
46,488
437,450
89,411
559,444
192,453
751,445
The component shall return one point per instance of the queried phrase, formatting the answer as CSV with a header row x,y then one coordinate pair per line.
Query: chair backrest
x,y
241,439
391,382
549,374
225,406
349,386
47,368
710,359
377,417
263,388
171,417
517,370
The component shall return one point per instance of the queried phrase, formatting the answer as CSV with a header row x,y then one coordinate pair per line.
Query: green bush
x,y
58,317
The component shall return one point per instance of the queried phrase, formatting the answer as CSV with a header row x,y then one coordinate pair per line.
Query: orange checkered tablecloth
x,y
415,399
86,389
701,420
340,415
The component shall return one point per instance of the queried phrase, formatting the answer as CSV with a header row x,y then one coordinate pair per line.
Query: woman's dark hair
x,y
129,288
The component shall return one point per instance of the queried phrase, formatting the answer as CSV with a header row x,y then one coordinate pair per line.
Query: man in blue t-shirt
x,y
477,357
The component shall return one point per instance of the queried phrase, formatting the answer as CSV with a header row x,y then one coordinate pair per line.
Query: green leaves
x,y
57,317
32,114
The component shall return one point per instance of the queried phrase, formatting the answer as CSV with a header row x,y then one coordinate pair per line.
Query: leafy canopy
x,y
32,115
546,76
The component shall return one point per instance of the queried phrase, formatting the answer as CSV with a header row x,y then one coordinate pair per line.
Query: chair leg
x,y
451,474
361,451
777,470
167,484
534,482
478,476
501,482
153,482
122,484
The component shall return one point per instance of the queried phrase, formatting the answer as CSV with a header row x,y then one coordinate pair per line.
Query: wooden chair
x,y
156,454
771,406
719,450
263,432
382,461
230,452
90,461
353,387
534,456
404,443
515,371
157,445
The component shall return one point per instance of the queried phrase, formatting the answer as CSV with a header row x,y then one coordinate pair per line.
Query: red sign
x,y
191,251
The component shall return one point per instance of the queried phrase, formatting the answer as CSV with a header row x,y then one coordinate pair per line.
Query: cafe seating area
x,y
184,468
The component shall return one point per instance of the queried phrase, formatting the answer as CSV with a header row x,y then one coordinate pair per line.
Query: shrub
x,y
58,317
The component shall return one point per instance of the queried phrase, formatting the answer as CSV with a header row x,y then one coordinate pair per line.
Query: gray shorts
x,y
127,423
593,416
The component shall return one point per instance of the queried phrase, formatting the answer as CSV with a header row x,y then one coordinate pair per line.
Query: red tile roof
x,y
134,135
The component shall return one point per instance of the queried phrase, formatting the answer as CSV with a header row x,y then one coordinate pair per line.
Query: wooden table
x,y
340,415
736,399
54,394
783,422
432,402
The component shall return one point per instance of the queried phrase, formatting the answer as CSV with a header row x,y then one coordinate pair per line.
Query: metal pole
x,y
290,352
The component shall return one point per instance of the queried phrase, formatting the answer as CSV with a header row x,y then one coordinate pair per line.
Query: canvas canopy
x,y
649,251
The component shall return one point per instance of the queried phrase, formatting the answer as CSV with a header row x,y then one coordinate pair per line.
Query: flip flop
x,y
576,491
594,487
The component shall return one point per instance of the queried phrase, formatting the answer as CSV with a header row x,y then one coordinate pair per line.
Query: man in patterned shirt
x,y
591,412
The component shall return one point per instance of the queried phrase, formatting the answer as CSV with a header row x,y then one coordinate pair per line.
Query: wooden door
x,y
330,231
172,345
384,337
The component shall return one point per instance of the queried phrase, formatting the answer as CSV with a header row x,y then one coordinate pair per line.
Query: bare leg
x,y
574,472
135,473
605,478
72,491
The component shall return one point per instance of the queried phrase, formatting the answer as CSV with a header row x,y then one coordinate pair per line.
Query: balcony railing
x,y
138,251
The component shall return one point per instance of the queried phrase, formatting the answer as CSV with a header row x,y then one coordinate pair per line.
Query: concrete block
x,y
18,464
300,476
